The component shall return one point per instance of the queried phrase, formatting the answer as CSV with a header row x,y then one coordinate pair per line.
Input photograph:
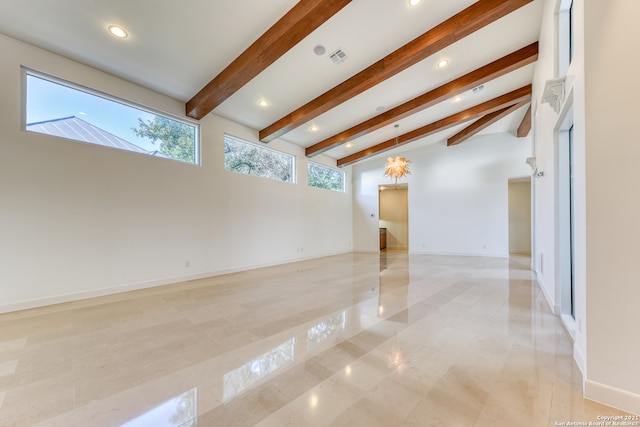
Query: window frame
x,y
27,71
259,147
565,36
344,177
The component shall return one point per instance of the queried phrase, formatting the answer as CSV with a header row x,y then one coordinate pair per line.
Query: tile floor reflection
x,y
350,340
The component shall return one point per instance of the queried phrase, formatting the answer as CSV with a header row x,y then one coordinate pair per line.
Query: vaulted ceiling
x,y
225,56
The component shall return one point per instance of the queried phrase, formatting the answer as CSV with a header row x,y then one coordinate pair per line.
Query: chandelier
x,y
396,167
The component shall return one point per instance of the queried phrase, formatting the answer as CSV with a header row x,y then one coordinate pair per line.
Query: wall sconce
x,y
531,161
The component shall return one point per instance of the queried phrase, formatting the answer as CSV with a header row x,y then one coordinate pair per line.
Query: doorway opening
x,y
520,217
393,207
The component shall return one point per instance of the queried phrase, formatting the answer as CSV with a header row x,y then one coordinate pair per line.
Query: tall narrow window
x,y
572,232
251,159
66,110
566,30
571,32
325,177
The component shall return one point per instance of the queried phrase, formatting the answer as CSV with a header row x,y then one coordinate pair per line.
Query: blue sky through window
x,y
47,100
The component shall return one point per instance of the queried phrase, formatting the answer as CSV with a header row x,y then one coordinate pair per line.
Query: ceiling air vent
x,y
338,56
478,89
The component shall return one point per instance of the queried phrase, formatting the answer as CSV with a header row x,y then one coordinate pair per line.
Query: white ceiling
x,y
177,46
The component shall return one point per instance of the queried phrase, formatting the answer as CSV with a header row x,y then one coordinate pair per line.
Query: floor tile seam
x,y
298,363
221,356
371,352
89,405
315,321
231,404
36,382
371,299
310,355
293,317
495,377
334,377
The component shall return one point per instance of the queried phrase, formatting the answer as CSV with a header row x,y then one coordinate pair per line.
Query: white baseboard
x,y
472,254
93,293
569,324
550,301
581,361
619,399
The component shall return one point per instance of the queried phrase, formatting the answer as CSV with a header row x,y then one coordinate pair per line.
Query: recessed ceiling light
x,y
457,99
349,145
414,2
263,103
443,63
117,31
313,128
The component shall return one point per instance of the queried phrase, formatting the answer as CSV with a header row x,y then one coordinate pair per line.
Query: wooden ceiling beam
x,y
299,22
495,69
483,123
519,95
476,16
525,125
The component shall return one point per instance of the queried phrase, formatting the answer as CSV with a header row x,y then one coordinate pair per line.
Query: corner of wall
x,y
550,300
611,396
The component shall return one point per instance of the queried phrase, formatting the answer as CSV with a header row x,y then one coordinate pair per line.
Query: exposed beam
x,y
299,22
476,16
519,95
495,69
525,125
483,123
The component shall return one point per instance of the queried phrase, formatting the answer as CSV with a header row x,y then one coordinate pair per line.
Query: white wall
x,y
458,198
544,150
600,82
78,220
612,67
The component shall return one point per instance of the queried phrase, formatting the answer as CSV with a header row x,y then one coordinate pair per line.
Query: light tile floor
x,y
349,340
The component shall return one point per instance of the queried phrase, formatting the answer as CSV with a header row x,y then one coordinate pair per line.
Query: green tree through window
x,y
250,159
177,140
325,177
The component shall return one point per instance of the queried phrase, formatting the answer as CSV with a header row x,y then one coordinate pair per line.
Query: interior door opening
x,y
520,216
393,205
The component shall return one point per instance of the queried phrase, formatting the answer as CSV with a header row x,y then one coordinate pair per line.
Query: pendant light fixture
x,y
396,167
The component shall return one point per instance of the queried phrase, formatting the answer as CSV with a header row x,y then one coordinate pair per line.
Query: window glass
x,y
571,32
66,110
251,159
566,28
325,177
